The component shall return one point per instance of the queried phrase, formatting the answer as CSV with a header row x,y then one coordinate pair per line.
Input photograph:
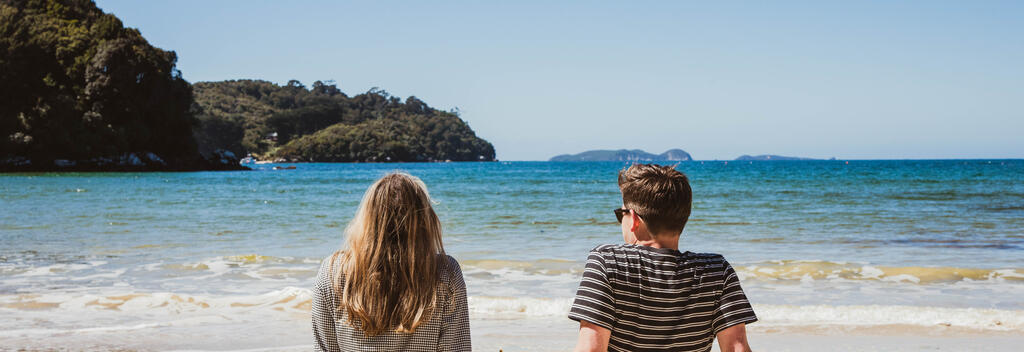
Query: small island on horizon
x,y
625,155
770,157
670,155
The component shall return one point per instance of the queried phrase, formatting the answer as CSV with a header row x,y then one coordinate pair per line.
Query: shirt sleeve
x,y
455,324
732,307
323,311
594,301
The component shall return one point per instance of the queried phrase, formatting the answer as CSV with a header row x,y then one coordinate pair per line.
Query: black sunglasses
x,y
619,213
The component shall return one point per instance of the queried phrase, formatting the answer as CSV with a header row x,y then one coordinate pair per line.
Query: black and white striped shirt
x,y
658,299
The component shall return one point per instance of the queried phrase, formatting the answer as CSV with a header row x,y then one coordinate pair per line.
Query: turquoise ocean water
x,y
92,259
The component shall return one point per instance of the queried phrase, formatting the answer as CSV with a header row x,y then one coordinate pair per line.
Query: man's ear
x,y
636,222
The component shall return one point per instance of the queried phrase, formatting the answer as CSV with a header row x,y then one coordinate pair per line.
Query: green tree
x,y
76,84
324,124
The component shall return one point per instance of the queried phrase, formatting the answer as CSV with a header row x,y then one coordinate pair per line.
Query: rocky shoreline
x,y
219,160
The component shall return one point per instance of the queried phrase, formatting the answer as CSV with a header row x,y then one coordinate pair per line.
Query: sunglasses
x,y
619,213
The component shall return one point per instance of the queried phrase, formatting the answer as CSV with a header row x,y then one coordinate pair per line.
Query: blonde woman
x,y
392,288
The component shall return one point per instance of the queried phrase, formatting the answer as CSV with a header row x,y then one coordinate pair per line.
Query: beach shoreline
x,y
550,335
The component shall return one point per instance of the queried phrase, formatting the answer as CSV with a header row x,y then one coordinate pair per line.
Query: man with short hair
x,y
646,295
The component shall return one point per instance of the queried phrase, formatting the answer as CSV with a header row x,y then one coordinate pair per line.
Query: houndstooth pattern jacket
x,y
447,329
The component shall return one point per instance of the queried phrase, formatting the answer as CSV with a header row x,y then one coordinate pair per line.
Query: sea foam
x,y
803,270
792,315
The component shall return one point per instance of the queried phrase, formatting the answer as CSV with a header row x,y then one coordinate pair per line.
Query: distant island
x,y
625,155
767,157
81,92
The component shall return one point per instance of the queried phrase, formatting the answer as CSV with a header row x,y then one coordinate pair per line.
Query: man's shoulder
x,y
623,248
607,248
711,257
616,252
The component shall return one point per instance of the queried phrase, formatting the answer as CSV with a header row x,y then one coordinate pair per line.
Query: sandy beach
x,y
552,335
494,333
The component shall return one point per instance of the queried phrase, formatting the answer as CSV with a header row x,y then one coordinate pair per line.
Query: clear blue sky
x,y
850,79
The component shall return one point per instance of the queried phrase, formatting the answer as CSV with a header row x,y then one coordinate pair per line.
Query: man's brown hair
x,y
660,195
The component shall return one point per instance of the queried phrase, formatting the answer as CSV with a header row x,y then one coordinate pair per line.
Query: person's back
x,y
392,288
446,330
646,295
659,298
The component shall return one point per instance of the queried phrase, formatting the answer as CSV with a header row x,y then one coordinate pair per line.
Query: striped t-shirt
x,y
658,299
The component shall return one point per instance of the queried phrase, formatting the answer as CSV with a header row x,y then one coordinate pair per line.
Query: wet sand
x,y
549,335
494,334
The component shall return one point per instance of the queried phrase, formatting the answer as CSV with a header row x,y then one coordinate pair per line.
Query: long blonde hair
x,y
390,265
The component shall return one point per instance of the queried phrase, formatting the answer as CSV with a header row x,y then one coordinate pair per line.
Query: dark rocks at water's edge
x,y
625,155
222,160
218,160
768,157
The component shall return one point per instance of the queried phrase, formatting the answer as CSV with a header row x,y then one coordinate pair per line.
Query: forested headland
x,y
79,91
82,92
322,124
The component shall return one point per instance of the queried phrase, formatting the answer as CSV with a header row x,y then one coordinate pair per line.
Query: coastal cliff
x,y
82,92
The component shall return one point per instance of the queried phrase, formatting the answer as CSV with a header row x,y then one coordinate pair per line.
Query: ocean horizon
x,y
226,260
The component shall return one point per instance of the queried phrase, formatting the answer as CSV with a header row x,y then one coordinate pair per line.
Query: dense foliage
x,y
320,123
78,90
76,84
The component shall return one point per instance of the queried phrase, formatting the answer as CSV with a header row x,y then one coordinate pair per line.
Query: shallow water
x,y
94,255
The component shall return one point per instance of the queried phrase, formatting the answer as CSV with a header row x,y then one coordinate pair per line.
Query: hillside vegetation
x,y
323,124
80,89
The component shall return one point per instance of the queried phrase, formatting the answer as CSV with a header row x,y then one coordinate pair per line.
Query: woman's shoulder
x,y
331,261
450,271
447,265
449,261
328,268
